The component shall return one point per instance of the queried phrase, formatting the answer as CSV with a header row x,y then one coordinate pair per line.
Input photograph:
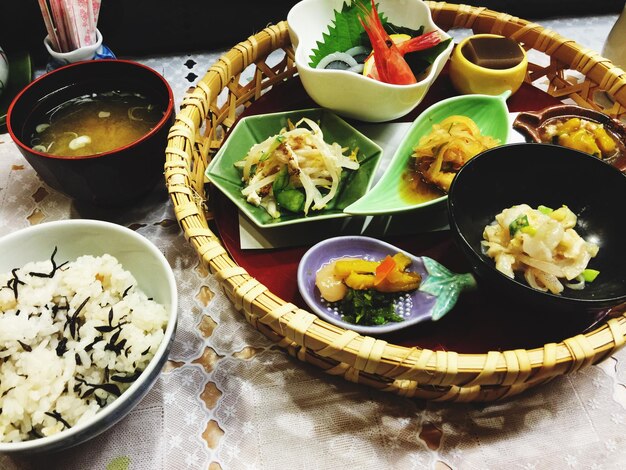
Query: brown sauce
x,y
414,190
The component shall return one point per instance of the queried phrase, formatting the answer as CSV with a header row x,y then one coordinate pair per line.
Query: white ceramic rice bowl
x,y
137,255
350,94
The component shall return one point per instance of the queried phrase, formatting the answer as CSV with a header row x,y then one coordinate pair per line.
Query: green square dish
x,y
254,129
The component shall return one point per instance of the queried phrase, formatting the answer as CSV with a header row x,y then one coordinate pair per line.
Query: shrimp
x,y
391,66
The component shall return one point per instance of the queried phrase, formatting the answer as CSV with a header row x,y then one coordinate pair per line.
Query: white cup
x,y
77,55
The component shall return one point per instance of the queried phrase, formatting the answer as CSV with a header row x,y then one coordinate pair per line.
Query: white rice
x,y
55,358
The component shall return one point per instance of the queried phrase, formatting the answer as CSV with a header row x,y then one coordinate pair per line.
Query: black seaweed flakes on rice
x,y
85,323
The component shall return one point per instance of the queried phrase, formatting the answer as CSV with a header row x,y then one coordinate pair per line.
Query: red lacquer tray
x,y
477,323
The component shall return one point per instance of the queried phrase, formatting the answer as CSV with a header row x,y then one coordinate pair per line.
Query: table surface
x,y
228,398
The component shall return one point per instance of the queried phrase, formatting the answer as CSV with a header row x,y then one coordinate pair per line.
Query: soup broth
x,y
94,123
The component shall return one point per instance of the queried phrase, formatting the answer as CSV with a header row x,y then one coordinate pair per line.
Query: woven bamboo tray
x,y
570,73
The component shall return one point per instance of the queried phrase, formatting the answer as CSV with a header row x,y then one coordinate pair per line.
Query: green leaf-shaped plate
x,y
491,115
254,129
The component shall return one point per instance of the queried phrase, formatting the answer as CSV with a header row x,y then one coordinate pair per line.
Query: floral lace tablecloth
x,y
230,399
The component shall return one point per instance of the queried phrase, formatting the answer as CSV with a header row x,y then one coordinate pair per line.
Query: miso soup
x,y
94,123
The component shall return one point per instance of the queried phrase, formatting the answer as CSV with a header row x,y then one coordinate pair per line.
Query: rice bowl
x,y
74,367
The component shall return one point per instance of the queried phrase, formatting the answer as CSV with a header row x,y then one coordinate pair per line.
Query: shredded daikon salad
x,y
450,144
543,245
294,170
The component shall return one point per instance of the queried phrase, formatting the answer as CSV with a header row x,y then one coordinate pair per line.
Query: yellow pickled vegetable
x,y
399,281
583,135
344,267
582,140
570,125
604,141
402,261
388,275
358,281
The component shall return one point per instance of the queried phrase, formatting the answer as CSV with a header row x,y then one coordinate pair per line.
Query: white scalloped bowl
x,y
350,94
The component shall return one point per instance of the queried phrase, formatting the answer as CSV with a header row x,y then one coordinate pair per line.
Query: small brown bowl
x,y
106,179
530,125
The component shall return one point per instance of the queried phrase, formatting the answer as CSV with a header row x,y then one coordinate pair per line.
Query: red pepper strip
x,y
383,269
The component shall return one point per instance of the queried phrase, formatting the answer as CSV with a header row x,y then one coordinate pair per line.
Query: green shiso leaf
x,y
344,32
419,61
395,29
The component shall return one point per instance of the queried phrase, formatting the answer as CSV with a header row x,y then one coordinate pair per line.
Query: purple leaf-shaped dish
x,y
437,294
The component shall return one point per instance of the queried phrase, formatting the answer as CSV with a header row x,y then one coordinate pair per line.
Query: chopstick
x,y
70,24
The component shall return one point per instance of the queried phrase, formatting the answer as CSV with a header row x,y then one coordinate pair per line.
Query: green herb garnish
x,y
530,230
518,224
344,32
419,61
369,307
589,275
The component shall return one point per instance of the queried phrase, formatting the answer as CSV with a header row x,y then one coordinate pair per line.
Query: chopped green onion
x,y
518,224
530,230
589,275
545,209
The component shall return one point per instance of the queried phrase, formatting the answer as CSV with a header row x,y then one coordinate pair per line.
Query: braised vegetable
x,y
365,291
388,275
440,154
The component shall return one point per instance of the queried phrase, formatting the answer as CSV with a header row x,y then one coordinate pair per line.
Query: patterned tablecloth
x,y
229,399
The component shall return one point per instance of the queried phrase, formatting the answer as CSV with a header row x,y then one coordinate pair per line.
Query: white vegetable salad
x,y
295,170
542,245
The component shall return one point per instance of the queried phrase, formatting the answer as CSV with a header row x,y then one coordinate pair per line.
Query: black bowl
x,y
542,174
106,179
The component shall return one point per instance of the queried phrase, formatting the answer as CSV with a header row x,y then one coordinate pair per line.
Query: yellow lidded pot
x,y
468,77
